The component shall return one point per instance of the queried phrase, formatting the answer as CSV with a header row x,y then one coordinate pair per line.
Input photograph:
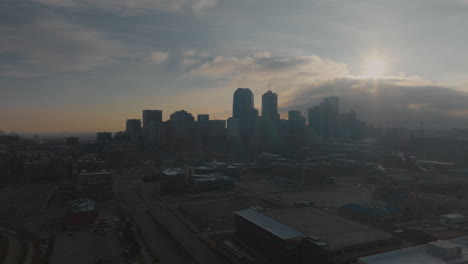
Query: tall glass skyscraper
x,y
243,102
244,112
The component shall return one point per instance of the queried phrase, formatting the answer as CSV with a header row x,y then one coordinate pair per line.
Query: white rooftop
x,y
419,254
173,171
80,205
101,172
453,216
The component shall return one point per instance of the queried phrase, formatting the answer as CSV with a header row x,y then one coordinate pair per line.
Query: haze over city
x,y
233,132
79,65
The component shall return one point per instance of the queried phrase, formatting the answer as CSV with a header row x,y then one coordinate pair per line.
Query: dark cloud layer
x,y
390,101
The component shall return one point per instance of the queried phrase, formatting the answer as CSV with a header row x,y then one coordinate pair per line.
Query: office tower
x,y
269,122
183,127
211,132
167,136
350,127
203,117
133,130
243,110
295,128
151,119
270,106
314,115
331,118
243,102
324,119
233,128
294,115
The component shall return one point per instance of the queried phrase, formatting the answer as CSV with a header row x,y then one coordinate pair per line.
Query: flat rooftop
x,y
81,205
269,224
337,231
326,197
173,171
90,173
418,254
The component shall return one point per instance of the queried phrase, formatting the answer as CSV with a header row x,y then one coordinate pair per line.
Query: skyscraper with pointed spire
x,y
270,106
269,126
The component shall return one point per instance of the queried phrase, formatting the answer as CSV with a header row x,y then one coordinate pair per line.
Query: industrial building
x,y
224,168
94,178
173,181
96,185
372,212
306,235
198,179
451,251
275,241
80,211
203,183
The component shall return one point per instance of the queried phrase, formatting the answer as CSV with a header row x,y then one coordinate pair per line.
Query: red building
x,y
80,212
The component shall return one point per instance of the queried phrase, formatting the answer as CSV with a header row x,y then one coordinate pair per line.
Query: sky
x,y
87,65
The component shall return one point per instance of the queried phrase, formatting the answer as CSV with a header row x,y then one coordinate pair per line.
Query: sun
x,y
374,67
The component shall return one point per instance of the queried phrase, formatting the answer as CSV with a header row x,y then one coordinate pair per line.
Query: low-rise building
x,y
173,181
198,179
212,182
373,212
454,221
85,178
80,211
451,251
291,235
96,185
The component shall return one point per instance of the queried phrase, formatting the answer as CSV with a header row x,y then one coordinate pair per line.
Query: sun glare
x,y
374,67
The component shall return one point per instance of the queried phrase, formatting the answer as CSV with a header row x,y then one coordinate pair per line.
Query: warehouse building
x,y
80,211
309,235
453,251
372,212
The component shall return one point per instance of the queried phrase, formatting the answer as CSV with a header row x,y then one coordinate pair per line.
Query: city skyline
x,y
78,65
242,104
228,132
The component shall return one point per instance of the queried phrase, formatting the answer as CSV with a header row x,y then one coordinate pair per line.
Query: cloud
x,y
52,45
159,57
391,101
188,62
301,82
198,7
190,53
286,74
263,54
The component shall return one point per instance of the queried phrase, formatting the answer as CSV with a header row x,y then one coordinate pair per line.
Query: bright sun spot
x,y
374,67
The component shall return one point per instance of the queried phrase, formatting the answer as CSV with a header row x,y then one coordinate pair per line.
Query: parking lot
x,y
89,244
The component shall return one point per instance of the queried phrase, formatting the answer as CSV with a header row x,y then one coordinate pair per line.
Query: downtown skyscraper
x,y
243,102
269,126
270,106
244,115
152,120
133,130
325,118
